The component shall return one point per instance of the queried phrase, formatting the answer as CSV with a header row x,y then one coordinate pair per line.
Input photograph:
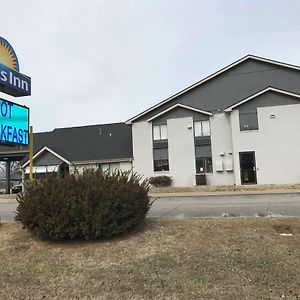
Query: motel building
x,y
237,126
74,149
240,125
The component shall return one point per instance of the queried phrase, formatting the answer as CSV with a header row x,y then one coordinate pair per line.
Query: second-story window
x,y
160,132
248,120
201,128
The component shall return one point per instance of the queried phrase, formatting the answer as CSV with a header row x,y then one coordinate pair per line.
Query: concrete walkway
x,y
7,198
12,197
225,193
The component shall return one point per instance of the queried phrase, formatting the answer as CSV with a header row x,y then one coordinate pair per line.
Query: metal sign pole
x,y
30,153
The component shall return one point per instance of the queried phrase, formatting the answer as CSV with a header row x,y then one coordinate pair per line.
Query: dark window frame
x,y
161,165
160,139
202,135
207,165
251,123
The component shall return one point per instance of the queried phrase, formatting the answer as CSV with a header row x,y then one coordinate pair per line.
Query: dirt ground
x,y
225,188
224,258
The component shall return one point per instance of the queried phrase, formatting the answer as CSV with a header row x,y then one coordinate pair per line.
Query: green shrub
x,y
92,205
160,181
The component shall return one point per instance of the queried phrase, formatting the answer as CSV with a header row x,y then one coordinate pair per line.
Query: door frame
x,y
241,175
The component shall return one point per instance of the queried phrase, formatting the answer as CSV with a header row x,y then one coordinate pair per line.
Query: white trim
x,y
49,150
250,56
268,89
183,106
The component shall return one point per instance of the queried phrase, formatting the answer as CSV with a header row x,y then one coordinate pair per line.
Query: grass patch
x,y
166,259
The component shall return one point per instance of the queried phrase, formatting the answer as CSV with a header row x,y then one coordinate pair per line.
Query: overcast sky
x,y
97,62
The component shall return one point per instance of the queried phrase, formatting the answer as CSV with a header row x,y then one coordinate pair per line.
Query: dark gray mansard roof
x,y
237,81
86,143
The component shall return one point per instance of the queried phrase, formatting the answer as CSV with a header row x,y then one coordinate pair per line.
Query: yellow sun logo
x,y
7,55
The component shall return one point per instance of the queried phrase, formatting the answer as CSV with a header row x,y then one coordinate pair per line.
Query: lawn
x,y
224,258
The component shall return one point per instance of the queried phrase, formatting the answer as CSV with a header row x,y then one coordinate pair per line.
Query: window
x,y
204,165
161,165
160,132
248,120
160,148
160,159
110,168
201,128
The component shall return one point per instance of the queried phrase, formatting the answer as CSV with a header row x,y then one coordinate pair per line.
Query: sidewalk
x,y
12,197
254,190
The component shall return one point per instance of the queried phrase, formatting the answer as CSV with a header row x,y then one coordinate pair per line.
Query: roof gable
x,y
42,151
212,76
252,97
182,106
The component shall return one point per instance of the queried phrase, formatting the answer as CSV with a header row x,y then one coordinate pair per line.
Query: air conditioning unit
x,y
200,179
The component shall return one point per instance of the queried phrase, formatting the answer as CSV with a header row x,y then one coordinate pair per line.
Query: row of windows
x,y
201,128
248,121
203,165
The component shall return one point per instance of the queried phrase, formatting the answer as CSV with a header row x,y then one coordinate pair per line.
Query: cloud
x,y
105,61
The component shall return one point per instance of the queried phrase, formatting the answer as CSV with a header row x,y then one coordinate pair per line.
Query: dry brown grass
x,y
166,259
225,188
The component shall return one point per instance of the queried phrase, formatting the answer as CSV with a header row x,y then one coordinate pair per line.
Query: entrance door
x,y
248,167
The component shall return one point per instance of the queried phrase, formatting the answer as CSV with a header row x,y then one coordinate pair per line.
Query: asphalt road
x,y
7,210
233,205
209,206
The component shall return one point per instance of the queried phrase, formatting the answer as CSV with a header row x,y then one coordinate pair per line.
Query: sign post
x,y
30,153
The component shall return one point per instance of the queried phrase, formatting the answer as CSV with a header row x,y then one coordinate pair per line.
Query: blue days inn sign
x,y
14,118
12,82
14,123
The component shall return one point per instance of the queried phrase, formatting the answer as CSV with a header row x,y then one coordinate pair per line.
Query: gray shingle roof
x,y
86,143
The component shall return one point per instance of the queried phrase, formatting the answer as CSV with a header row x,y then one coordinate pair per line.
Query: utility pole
x,y
30,153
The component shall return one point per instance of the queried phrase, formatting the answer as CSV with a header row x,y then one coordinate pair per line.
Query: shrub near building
x,y
92,205
160,181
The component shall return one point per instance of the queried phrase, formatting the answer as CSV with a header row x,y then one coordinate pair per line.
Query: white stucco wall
x,y
276,144
221,147
180,148
181,151
142,149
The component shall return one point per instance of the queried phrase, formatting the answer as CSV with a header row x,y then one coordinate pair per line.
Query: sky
x,y
97,62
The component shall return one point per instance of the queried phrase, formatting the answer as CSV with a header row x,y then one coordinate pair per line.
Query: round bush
x,y
92,205
160,181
